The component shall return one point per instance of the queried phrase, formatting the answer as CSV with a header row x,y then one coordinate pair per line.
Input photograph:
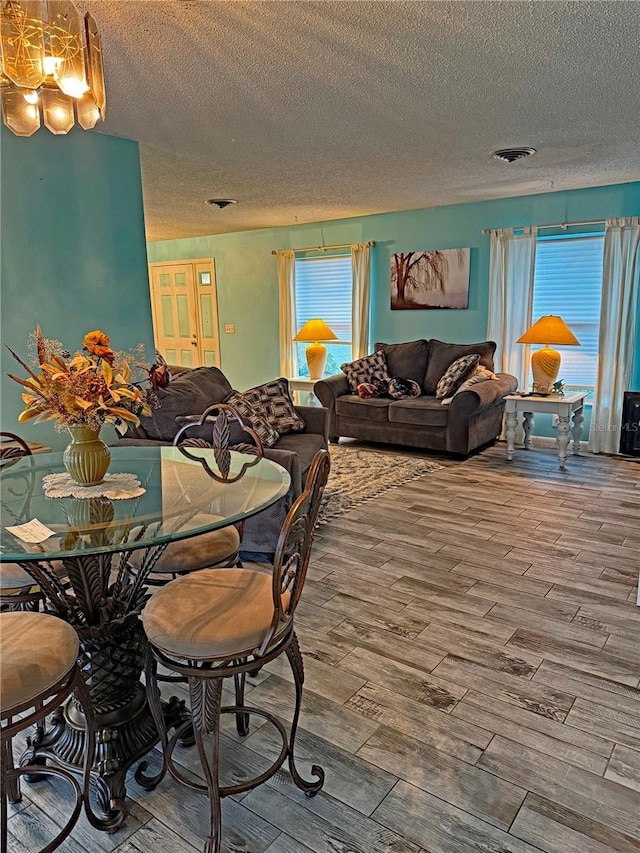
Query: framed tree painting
x,y
435,279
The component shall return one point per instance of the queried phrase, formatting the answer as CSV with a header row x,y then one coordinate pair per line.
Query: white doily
x,y
114,486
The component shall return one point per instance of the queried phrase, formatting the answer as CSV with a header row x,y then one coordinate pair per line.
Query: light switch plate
x,y
230,329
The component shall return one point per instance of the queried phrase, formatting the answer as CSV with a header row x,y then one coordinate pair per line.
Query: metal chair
x,y
218,548
17,588
39,672
213,625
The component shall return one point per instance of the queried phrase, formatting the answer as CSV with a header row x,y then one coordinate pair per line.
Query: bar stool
x,y
212,625
39,672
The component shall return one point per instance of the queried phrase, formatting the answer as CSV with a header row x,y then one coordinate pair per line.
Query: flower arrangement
x,y
87,389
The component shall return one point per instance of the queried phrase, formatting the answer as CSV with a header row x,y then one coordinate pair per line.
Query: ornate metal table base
x,y
123,738
103,608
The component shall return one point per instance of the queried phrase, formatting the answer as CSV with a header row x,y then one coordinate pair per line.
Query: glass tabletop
x,y
181,499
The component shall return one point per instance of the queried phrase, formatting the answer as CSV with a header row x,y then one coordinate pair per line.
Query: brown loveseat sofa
x,y
471,419
193,391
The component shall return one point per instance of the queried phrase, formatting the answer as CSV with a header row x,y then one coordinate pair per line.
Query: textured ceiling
x,y
305,111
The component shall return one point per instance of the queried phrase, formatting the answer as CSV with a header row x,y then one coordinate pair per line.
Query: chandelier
x,y
50,67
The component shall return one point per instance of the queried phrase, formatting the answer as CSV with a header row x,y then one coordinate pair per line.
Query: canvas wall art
x,y
435,279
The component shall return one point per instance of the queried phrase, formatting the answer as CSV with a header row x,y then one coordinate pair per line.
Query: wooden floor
x,y
472,651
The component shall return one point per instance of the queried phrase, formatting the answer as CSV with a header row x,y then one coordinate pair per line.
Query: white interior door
x,y
185,315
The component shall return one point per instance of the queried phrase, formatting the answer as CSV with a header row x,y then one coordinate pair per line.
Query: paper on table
x,y
33,531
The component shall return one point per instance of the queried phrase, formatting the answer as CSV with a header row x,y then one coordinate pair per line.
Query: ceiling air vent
x,y
510,155
220,202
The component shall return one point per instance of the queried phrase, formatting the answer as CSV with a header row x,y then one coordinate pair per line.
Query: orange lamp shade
x,y
315,330
549,329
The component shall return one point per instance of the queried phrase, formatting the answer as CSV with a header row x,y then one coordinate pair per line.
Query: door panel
x,y
185,317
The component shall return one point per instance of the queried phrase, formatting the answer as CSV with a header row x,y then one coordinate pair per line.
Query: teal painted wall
x,y
73,251
247,281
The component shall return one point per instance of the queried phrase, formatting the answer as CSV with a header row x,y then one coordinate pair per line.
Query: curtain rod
x,y
548,225
325,248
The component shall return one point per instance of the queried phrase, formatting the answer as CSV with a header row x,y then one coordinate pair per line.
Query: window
x,y
323,289
568,282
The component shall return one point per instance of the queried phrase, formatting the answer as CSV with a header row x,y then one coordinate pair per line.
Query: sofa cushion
x,y
455,375
406,360
189,393
373,409
372,368
441,355
305,444
422,411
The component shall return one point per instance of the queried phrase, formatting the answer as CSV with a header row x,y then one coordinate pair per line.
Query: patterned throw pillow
x,y
274,403
253,416
481,374
455,374
370,369
400,389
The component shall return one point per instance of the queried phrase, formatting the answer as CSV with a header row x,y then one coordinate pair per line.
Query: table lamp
x,y
545,362
315,331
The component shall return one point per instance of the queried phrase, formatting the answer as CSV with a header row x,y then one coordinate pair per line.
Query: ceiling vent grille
x,y
221,202
510,155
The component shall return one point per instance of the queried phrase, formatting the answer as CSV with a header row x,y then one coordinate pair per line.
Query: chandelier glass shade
x,y
50,67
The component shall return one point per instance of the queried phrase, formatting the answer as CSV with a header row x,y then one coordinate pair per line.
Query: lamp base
x,y
545,364
316,355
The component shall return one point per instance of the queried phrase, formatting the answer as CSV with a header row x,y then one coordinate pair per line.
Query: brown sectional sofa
x,y
471,419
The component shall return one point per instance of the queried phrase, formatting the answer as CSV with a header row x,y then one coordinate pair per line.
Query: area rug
x,y
358,475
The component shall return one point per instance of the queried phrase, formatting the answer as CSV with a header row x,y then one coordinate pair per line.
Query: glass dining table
x,y
82,568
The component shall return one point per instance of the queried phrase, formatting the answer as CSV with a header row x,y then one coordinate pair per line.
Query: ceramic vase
x,y
86,458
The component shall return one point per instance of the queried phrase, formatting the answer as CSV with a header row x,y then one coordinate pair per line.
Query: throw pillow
x,y
274,403
371,368
400,389
481,374
455,374
442,355
267,434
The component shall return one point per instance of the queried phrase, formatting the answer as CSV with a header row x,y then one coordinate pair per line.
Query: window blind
x,y
323,289
568,282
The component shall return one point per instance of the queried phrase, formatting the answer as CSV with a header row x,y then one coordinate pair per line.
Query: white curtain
x,y
513,261
286,262
618,331
361,299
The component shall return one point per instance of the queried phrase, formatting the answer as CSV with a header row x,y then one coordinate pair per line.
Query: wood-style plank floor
x,y
472,652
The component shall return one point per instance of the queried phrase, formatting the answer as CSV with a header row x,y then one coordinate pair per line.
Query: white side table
x,y
567,407
304,390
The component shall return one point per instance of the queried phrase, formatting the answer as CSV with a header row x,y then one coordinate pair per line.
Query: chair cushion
x,y
425,411
36,650
13,578
371,409
407,360
305,444
441,355
213,614
196,552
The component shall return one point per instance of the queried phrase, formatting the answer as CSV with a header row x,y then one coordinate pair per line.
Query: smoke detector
x,y
510,155
220,202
